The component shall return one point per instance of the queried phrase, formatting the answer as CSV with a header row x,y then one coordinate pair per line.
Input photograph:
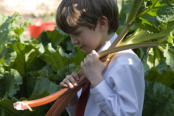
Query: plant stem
x,y
132,15
134,11
121,36
129,46
42,101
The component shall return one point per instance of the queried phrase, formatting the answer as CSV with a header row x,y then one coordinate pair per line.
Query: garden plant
x,y
32,69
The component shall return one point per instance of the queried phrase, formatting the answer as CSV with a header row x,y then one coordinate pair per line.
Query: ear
x,y
102,23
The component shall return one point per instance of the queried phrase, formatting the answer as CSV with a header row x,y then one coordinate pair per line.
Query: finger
x,y
94,53
85,60
72,80
62,84
76,77
82,64
69,84
67,81
88,57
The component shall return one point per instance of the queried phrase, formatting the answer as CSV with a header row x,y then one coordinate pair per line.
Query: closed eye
x,y
77,33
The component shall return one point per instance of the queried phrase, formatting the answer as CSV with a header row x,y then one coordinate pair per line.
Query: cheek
x,y
90,42
92,45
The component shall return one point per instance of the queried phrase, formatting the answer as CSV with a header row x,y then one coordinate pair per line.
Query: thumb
x,y
94,53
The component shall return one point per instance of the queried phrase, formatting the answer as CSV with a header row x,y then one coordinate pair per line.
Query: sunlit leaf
x,y
169,54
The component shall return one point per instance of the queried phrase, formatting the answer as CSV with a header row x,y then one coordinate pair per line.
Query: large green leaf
x,y
159,100
78,56
53,58
26,55
156,16
166,13
44,87
164,76
10,83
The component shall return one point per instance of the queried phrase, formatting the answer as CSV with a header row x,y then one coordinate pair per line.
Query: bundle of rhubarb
x,y
152,22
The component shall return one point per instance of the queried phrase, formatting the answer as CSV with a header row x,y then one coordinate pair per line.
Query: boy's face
x,y
87,39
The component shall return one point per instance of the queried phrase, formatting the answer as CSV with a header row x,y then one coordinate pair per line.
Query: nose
x,y
74,40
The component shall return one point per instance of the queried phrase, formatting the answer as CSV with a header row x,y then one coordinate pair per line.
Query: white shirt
x,y
121,93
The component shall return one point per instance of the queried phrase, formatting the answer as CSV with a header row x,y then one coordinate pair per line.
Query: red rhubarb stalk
x,y
22,105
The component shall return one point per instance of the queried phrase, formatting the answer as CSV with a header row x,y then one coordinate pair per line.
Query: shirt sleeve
x,y
71,110
121,93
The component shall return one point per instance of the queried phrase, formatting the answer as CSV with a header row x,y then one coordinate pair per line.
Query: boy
x,y
117,86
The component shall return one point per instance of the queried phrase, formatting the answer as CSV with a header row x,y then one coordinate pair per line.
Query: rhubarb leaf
x,y
26,54
156,16
164,76
159,100
165,13
44,87
10,83
53,58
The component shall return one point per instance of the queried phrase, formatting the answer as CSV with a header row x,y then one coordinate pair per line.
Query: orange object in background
x,y
36,29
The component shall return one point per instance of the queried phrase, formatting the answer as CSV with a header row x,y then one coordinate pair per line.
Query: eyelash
x,y
77,33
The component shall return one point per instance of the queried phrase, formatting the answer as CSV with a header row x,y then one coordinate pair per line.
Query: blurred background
x,y
30,10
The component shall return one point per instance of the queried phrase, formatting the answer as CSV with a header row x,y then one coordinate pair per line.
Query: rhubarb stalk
x,y
22,105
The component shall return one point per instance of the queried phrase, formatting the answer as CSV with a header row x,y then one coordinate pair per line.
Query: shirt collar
x,y
108,43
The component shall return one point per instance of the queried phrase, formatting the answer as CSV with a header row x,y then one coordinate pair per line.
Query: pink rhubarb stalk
x,y
22,105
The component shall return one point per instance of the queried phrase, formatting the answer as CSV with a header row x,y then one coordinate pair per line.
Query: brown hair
x,y
74,13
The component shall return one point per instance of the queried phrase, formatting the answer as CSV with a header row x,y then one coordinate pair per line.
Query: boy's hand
x,y
92,68
70,80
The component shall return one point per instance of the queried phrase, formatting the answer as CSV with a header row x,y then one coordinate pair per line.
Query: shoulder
x,y
125,55
126,58
125,68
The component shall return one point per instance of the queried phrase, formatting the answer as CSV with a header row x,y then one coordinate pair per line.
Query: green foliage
x,y
156,15
161,73
169,54
153,25
158,100
10,83
32,69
